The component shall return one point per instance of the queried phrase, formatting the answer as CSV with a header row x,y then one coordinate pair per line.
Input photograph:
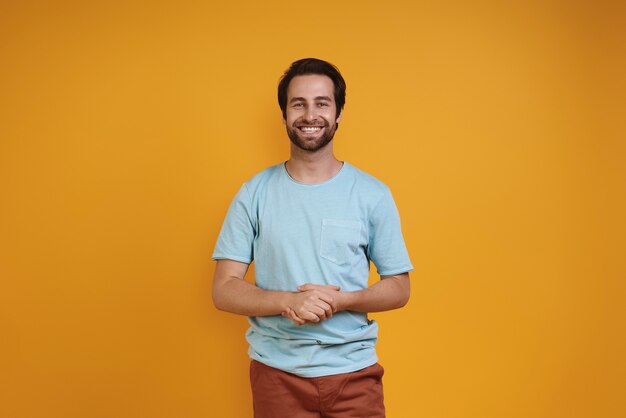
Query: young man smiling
x,y
312,225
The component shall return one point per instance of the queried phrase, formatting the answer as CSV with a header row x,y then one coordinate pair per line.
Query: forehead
x,y
310,86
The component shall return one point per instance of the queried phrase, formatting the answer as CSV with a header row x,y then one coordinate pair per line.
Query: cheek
x,y
291,118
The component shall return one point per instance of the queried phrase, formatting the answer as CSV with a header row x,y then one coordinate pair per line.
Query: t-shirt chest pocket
x,y
339,240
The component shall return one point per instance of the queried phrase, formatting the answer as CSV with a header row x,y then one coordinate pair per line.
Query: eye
x,y
297,105
322,104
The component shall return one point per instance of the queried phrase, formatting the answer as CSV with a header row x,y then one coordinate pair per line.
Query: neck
x,y
312,167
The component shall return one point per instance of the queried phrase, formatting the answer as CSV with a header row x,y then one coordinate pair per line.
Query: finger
x,y
307,315
328,309
329,299
311,286
295,319
290,314
322,310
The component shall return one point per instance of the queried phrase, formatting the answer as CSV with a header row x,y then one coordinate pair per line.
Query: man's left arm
x,y
391,292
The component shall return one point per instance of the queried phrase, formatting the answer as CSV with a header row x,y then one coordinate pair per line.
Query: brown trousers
x,y
278,394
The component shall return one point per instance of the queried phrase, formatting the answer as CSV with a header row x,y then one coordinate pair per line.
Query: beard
x,y
311,144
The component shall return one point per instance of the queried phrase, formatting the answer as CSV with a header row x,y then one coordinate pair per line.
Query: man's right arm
x,y
232,293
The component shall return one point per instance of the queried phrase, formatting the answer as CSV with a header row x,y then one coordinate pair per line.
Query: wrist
x,y
344,301
285,301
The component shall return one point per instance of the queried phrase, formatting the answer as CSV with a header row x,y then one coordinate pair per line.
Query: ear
x,y
284,121
339,117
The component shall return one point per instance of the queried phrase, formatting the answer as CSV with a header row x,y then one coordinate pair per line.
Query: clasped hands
x,y
312,303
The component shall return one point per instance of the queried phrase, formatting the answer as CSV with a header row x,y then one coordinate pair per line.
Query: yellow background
x,y
127,127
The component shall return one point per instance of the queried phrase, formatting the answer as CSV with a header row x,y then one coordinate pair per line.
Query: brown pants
x,y
277,394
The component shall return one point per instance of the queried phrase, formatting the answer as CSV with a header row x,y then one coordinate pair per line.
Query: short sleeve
x,y
236,239
386,246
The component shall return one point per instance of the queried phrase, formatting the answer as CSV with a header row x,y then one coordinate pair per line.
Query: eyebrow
x,y
302,99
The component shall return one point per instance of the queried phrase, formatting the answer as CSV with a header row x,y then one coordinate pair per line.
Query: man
x,y
312,225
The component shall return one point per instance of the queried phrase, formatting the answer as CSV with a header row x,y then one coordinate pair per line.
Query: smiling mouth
x,y
310,129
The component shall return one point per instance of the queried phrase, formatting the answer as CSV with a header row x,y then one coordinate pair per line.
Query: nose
x,y
309,114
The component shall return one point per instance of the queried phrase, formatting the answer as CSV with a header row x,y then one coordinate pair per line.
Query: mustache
x,y
321,122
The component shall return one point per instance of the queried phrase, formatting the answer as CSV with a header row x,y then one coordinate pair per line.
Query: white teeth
x,y
310,129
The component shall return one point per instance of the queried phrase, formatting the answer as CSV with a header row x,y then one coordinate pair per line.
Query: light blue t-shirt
x,y
323,233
